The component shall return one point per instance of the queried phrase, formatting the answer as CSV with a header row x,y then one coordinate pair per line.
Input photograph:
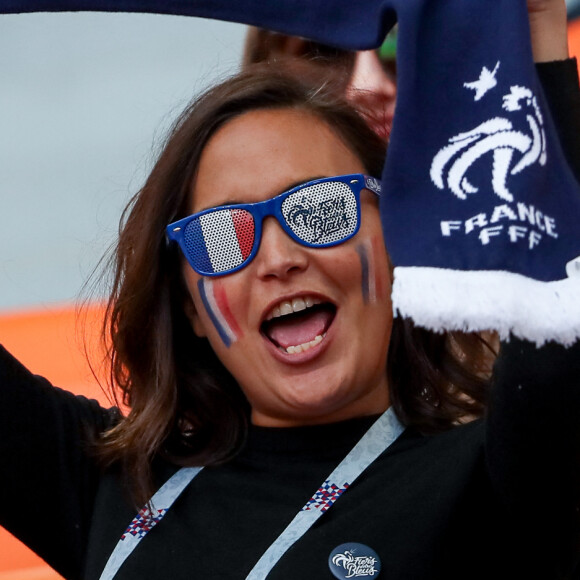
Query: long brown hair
x,y
183,402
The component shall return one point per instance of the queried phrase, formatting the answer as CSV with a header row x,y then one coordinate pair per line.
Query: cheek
x,y
215,301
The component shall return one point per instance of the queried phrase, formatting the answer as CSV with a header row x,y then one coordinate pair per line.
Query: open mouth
x,y
297,326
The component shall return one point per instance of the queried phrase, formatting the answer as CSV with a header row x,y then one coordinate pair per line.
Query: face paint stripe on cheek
x,y
378,248
205,287
224,307
364,263
370,279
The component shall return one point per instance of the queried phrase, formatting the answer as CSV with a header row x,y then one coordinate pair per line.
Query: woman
x,y
218,372
207,357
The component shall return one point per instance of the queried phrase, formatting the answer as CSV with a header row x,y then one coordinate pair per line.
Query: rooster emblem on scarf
x,y
511,150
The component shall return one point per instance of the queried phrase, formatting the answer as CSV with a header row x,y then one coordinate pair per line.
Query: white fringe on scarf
x,y
441,300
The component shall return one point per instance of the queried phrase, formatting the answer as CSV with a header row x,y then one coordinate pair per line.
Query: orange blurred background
x,y
50,342
574,38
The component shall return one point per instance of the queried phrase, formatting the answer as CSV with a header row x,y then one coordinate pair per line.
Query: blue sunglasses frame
x,y
273,207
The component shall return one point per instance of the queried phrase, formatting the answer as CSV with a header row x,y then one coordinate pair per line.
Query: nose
x,y
279,256
369,75
372,91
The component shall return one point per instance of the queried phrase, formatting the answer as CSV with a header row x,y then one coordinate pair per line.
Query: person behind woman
x,y
259,341
368,78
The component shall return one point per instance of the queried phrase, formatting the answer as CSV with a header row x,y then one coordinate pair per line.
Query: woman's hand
x,y
549,29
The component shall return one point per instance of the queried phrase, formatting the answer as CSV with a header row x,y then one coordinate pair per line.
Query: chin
x,y
324,408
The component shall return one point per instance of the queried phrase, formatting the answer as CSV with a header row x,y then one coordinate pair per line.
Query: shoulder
x,y
29,399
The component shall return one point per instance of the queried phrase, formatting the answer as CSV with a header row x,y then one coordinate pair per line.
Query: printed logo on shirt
x,y
498,149
354,560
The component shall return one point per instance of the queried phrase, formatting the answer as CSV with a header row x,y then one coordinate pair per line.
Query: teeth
x,y
288,307
307,345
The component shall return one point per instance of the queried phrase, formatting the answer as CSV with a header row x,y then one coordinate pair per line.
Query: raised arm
x,y
558,73
47,465
548,27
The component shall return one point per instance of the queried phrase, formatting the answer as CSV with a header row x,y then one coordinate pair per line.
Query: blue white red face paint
x,y
370,282
216,305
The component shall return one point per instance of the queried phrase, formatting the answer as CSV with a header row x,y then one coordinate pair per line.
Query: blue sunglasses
x,y
317,214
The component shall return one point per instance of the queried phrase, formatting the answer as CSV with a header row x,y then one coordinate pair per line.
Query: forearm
x,y
533,440
44,453
562,91
549,30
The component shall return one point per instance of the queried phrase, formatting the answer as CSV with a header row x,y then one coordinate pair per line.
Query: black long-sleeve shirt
x,y
492,499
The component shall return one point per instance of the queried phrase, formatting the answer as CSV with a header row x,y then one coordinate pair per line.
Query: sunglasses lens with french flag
x,y
219,241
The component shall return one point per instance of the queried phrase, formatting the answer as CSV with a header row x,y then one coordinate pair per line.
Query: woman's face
x,y
327,362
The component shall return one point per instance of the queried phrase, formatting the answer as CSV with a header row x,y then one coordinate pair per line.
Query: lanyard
x,y
377,439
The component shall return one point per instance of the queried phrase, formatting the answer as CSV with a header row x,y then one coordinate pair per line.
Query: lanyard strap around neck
x,y
147,518
383,432
377,439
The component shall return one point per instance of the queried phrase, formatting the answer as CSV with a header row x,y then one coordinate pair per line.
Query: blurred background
x,y
85,100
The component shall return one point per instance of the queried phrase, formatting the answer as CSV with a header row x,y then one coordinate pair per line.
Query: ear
x,y
195,320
